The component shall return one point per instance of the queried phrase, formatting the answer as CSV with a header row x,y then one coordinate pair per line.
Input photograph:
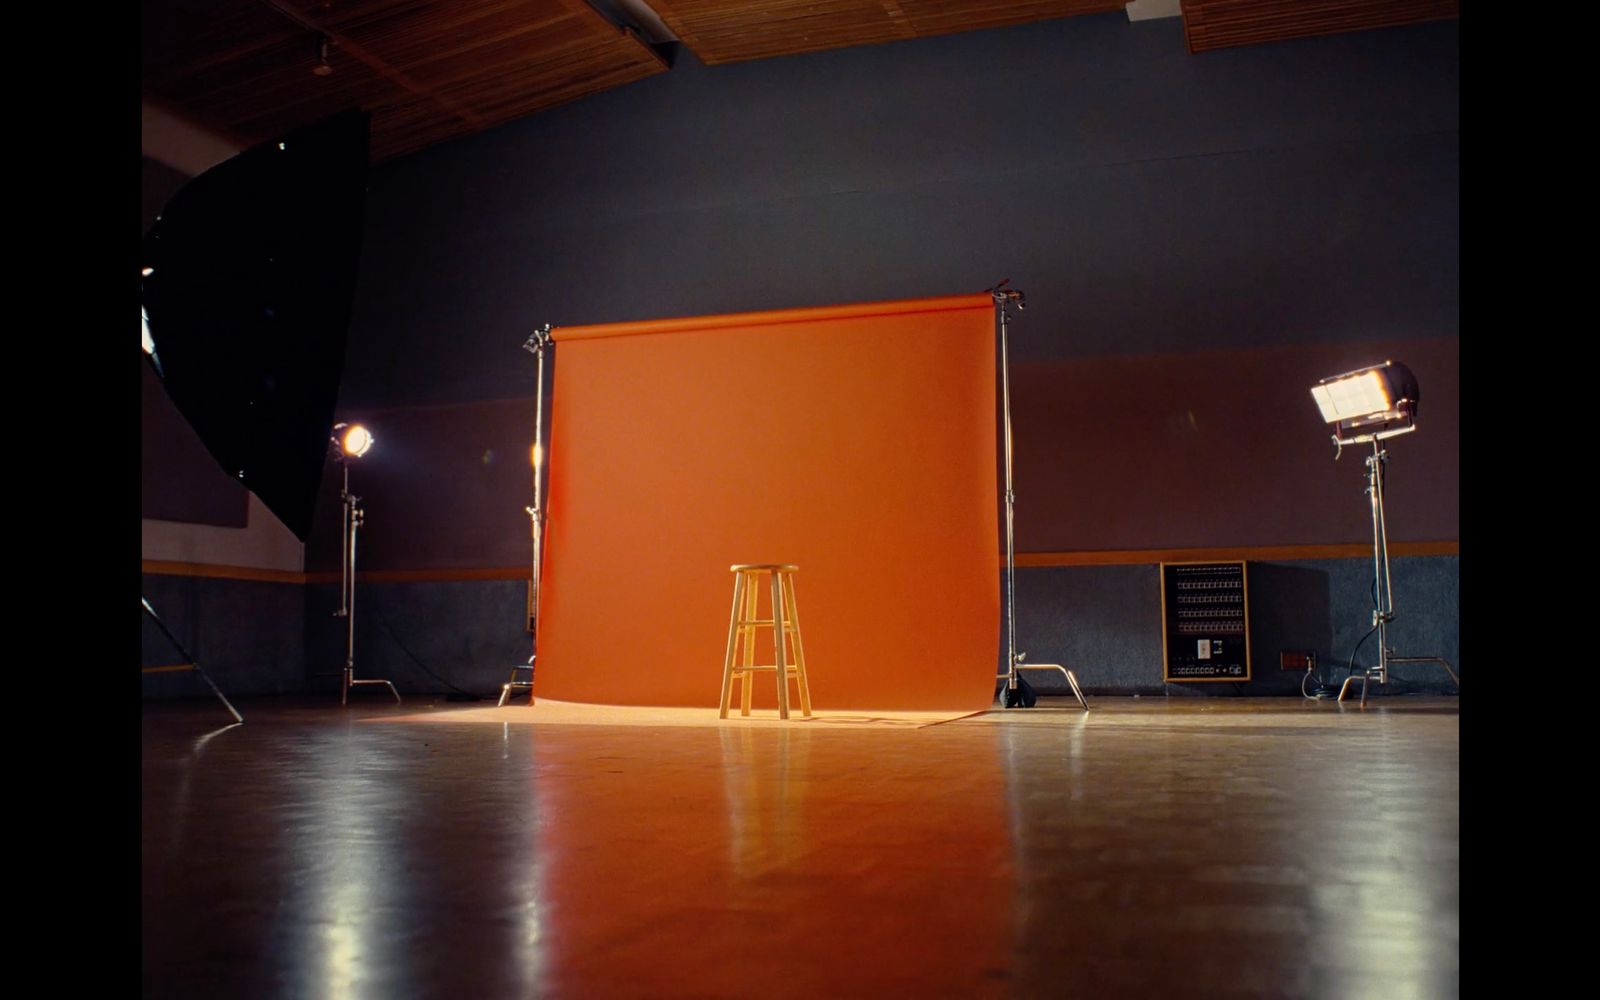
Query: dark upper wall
x,y
1148,200
1201,237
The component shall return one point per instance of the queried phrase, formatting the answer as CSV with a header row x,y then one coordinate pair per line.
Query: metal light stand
x,y
1014,657
536,345
1383,614
354,517
192,663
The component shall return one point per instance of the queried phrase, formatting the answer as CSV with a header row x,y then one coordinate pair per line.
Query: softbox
x,y
249,274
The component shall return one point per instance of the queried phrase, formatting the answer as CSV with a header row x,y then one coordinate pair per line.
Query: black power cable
x,y
384,621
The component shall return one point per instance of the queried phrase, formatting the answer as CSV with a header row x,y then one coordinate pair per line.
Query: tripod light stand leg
x,y
379,680
193,663
1077,692
220,696
512,683
1441,661
1072,679
1345,687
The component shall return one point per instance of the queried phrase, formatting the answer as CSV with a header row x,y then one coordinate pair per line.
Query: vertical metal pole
x,y
344,538
1382,581
350,604
347,558
543,337
538,490
1011,556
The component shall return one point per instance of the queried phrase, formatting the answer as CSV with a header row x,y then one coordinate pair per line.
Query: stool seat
x,y
784,620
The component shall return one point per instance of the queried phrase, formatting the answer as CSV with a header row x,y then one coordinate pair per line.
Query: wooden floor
x,y
1154,847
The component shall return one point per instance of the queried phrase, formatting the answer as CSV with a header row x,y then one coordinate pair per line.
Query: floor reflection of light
x,y
529,941
180,810
1382,928
200,744
356,882
765,810
339,963
346,905
529,950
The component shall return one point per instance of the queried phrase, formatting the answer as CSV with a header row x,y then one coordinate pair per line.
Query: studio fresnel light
x,y
351,441
354,442
1368,406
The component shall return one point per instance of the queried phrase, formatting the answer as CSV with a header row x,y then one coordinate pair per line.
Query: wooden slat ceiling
x,y
428,70
1218,24
725,31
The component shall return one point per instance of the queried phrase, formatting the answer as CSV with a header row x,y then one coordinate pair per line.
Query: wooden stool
x,y
742,627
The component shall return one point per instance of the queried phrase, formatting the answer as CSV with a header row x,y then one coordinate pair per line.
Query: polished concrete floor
x,y
1154,847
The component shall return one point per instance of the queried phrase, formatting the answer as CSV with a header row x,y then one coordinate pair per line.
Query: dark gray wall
x,y
1201,238
440,638
1104,623
1146,199
249,636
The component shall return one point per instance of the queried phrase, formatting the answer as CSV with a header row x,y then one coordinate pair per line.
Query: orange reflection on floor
x,y
1152,847
702,856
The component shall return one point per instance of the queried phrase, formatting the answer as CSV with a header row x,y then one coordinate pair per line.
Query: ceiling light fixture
x,y
322,68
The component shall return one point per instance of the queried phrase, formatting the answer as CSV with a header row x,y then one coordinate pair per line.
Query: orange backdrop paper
x,y
855,441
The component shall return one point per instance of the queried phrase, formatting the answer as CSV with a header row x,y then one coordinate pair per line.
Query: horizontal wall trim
x,y
1110,557
425,575
1253,553
161,567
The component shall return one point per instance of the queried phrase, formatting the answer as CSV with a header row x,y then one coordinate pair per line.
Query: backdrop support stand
x,y
192,663
1017,694
536,345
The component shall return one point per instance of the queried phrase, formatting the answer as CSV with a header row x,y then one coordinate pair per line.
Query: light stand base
x,y
1072,682
350,682
1367,676
193,664
514,684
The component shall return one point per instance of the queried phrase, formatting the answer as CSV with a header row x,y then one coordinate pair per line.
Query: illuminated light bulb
x,y
357,441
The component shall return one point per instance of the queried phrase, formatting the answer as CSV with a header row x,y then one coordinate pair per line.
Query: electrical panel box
x,y
1205,622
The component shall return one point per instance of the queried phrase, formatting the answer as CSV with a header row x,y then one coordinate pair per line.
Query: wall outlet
x,y
1297,660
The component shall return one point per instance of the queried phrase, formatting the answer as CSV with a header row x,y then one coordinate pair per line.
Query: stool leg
x,y
733,641
752,603
799,647
777,642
